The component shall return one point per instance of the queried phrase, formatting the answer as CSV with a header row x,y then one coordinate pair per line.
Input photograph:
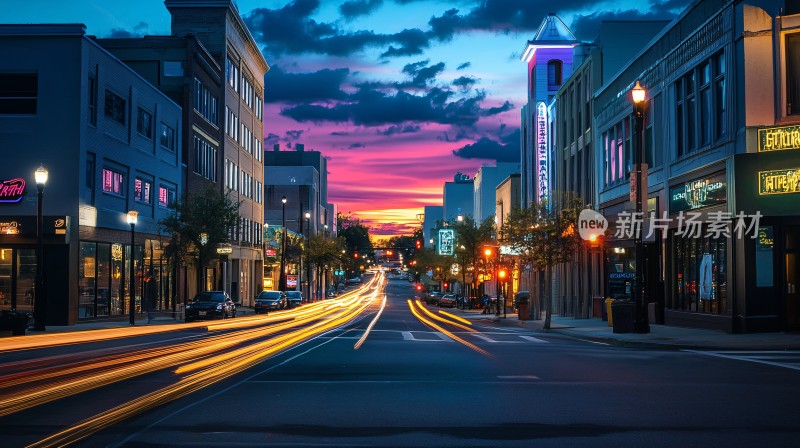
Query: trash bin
x,y
523,300
623,311
609,317
597,307
14,321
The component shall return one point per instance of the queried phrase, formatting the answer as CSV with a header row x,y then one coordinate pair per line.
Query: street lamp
x,y
638,93
39,299
307,216
282,278
203,242
133,216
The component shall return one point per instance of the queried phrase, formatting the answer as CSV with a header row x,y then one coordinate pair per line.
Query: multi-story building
x,y
720,141
102,163
571,148
485,183
301,177
231,158
458,197
433,215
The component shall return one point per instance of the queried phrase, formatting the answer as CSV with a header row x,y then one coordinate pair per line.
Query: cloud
x,y
356,145
294,134
271,139
464,65
354,8
506,150
396,129
465,82
586,27
422,74
322,85
139,30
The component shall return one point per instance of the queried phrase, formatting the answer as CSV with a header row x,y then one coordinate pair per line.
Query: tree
x,y
545,236
357,241
472,237
211,214
322,252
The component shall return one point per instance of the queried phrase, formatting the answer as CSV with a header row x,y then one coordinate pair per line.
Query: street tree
x,y
545,235
470,238
322,253
358,245
197,225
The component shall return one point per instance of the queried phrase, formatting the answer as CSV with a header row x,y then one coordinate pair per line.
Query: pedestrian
x,y
485,303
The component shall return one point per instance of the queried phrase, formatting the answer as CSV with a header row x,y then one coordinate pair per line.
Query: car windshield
x,y
209,297
269,295
294,294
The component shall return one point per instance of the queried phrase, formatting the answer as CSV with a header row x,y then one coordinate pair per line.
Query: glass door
x,y
792,278
6,268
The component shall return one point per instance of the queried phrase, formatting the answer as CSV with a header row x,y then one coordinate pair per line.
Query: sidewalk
x,y
660,336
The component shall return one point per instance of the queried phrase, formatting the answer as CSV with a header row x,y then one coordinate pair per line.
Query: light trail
x,y
374,321
454,317
443,320
215,369
444,331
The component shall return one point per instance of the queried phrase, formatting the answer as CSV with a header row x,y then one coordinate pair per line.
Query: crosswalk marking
x,y
757,356
533,339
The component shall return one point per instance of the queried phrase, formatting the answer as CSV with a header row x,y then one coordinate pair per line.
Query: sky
x,y
398,95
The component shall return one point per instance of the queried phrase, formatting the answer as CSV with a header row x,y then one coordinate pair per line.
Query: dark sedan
x,y
268,301
294,298
210,305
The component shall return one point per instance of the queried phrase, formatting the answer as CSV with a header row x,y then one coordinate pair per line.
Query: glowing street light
x,y
133,217
39,299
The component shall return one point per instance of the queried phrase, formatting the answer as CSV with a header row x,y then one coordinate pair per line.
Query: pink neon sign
x,y
12,190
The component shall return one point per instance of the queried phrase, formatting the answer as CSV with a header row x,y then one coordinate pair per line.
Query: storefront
x,y
768,183
18,263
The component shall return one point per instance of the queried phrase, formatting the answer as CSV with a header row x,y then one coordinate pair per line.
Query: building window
x,y
231,178
167,138
701,112
793,74
232,73
721,109
113,182
18,93
166,195
92,101
115,107
700,277
205,159
205,103
173,68
554,74
89,182
142,190
144,123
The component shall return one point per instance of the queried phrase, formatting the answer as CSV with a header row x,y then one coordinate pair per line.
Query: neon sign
x,y
9,228
698,193
779,181
541,150
446,237
779,139
12,190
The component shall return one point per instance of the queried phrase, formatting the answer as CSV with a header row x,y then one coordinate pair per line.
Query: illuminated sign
x,y
698,193
779,181
446,237
224,250
12,190
291,281
9,228
541,150
116,252
779,139
270,253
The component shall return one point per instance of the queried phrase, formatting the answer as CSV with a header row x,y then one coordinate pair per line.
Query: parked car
x,y
294,298
267,301
433,298
447,300
210,305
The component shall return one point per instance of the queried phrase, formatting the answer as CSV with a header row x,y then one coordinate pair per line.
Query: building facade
x,y
458,197
486,181
111,143
234,165
721,82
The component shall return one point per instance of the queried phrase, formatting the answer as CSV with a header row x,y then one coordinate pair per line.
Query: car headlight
x,y
188,306
219,307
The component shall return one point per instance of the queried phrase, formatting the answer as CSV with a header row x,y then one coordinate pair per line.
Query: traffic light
x,y
355,255
419,244
488,252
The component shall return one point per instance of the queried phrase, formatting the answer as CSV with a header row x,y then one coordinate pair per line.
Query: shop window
x,y
166,195
25,278
6,267
765,274
87,280
700,276
103,278
18,93
92,101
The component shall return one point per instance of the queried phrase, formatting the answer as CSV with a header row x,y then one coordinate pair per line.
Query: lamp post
x,y
203,242
640,324
39,299
282,278
132,218
307,216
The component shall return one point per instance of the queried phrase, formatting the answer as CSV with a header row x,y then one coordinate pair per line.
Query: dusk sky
x,y
399,95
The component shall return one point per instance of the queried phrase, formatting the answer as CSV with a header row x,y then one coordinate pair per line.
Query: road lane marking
x,y
742,356
533,339
371,324
518,377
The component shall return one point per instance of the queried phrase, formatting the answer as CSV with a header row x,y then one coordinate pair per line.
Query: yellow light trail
x,y
216,371
446,332
441,319
454,317
374,321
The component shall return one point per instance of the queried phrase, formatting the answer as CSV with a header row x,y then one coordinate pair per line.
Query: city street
x,y
406,384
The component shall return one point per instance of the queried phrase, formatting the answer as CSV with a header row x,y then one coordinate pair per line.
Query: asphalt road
x,y
411,385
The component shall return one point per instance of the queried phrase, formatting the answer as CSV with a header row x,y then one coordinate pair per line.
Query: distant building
x,y
111,142
458,197
485,183
434,216
507,197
